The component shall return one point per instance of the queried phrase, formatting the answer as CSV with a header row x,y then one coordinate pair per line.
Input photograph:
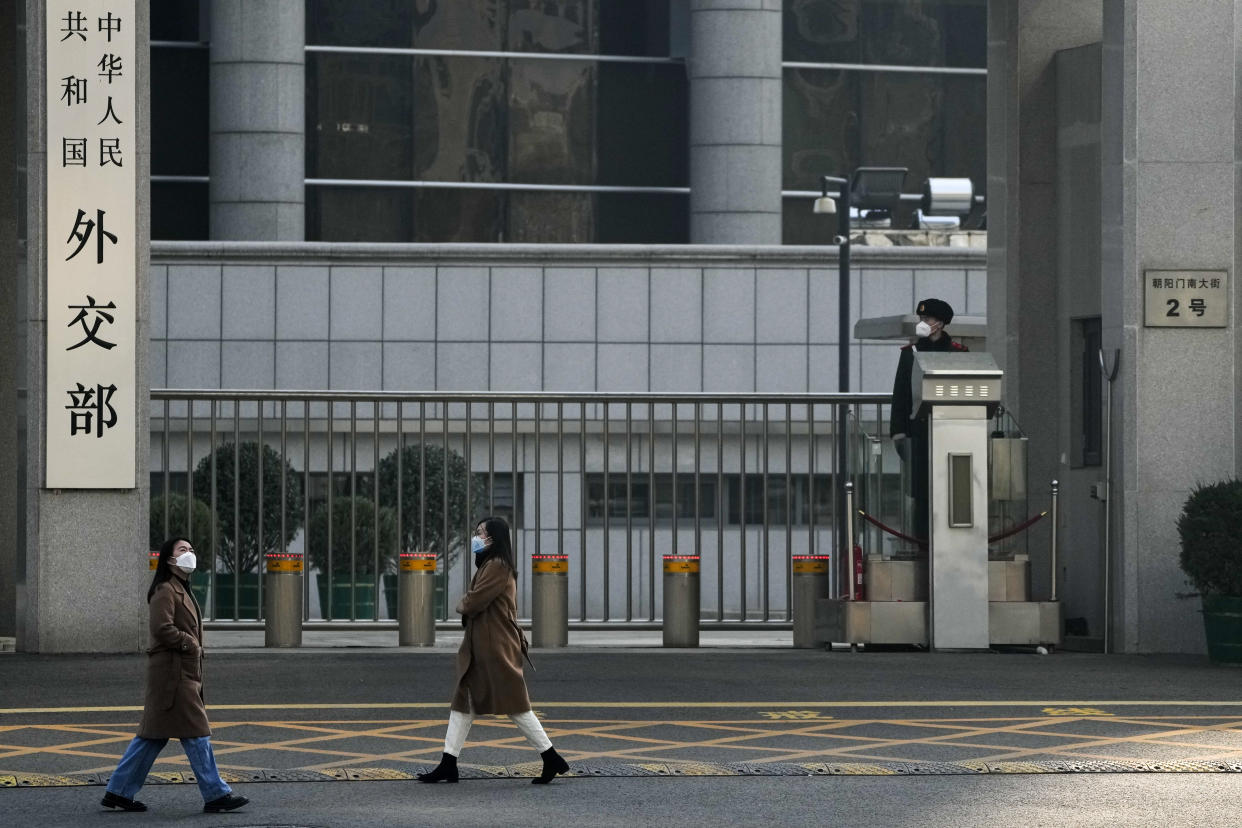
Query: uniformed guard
x,y
910,433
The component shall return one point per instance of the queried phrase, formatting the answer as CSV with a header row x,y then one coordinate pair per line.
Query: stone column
x,y
81,583
11,377
1024,324
735,121
258,120
1170,173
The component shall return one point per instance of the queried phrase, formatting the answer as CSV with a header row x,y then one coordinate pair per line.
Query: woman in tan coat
x,y
174,706
489,663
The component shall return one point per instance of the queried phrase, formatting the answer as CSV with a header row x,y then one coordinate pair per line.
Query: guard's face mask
x,y
922,329
186,562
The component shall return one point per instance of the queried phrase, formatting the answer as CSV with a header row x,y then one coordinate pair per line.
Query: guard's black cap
x,y
936,309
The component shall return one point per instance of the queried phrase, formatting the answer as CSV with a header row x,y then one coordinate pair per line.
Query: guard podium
x,y
956,391
949,598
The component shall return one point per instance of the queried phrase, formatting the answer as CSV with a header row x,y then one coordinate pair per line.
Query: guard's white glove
x,y
902,445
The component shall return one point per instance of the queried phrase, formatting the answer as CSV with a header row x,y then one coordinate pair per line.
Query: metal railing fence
x,y
348,480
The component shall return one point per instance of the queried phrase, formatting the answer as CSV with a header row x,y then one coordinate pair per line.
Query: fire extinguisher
x,y
860,586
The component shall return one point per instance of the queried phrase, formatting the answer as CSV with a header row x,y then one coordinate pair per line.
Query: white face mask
x,y
922,329
186,562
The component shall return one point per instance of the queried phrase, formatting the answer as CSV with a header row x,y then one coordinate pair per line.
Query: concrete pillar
x,y
82,582
735,121
1168,195
1170,200
258,120
11,377
1024,312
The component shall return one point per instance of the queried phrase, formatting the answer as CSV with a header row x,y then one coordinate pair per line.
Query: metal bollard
x,y
681,600
849,537
549,592
282,616
416,600
810,582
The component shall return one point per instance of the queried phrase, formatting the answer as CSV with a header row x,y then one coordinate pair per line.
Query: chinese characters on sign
x,y
1186,298
92,313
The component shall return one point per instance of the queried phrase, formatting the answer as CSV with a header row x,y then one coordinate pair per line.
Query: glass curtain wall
x,y
567,120
179,114
884,93
435,122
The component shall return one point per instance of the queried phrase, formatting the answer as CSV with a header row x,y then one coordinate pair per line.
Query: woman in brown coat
x,y
489,663
174,701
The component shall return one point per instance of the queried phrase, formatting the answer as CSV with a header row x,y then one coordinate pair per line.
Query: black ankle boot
x,y
446,771
552,765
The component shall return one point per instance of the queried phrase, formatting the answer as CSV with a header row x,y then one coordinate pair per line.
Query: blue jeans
x,y
132,771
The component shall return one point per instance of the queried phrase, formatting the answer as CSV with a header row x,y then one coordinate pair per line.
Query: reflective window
x,y
179,210
179,125
495,120
179,120
840,119
177,20
360,116
907,32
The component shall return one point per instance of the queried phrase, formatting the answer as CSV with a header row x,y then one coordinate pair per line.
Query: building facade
x,y
622,190
575,121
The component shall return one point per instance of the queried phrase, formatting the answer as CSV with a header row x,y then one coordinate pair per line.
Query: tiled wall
x,y
422,320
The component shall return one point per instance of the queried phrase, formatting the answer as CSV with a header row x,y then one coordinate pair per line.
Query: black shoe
x,y
446,771
111,800
228,802
552,765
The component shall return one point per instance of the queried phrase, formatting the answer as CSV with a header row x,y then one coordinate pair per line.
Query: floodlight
x,y
877,188
948,196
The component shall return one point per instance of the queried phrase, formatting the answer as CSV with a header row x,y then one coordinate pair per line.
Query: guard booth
x,y
951,595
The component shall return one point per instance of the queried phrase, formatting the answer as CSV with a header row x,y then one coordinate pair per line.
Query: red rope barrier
x,y
1015,530
891,530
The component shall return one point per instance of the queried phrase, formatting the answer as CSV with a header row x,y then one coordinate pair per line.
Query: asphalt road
x,y
1125,800
670,685
655,675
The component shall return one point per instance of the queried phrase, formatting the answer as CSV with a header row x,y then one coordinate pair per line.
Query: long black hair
x,y
502,543
163,569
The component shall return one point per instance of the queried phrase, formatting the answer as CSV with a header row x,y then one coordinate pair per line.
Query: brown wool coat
x,y
489,662
174,706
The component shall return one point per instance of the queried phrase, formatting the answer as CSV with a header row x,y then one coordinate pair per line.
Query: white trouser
x,y
459,727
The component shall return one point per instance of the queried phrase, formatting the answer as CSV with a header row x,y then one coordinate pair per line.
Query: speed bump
x,y
699,769
352,774
858,769
47,780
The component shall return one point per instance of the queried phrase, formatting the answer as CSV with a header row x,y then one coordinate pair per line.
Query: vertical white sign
x,y
92,313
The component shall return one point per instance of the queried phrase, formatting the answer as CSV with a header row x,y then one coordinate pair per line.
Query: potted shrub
x,y
352,580
1210,528
198,531
241,551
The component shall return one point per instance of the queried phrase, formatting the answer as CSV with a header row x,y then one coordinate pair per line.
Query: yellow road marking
x,y
1144,738
646,739
670,705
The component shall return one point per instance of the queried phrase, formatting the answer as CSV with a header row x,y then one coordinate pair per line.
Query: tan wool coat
x,y
489,663
174,707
